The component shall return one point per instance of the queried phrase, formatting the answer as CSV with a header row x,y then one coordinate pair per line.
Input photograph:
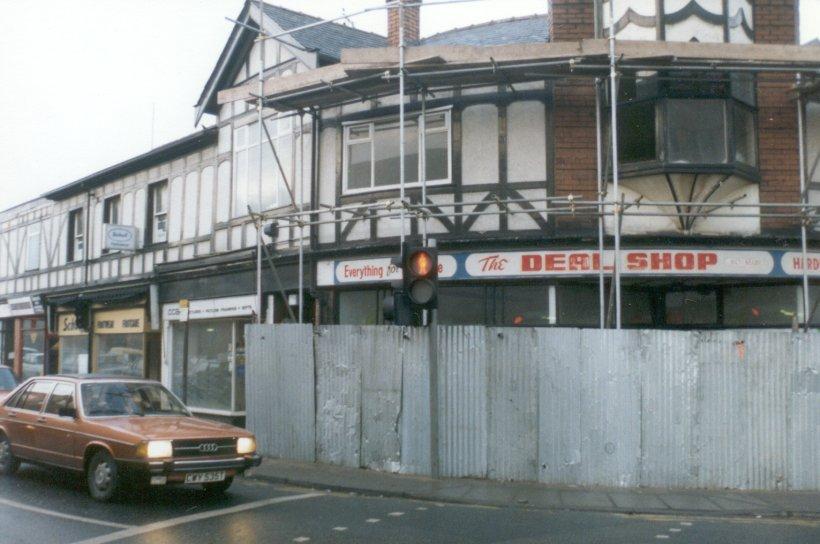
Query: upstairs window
x,y
111,210
280,131
76,235
372,159
683,120
156,231
33,249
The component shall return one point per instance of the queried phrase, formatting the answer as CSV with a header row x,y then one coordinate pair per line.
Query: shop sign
x,y
131,320
67,325
211,308
120,238
569,263
21,306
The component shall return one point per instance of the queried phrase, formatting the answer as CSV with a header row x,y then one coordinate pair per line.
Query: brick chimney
x,y
571,20
411,25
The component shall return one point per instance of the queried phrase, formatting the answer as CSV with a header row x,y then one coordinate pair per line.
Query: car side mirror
x,y
67,411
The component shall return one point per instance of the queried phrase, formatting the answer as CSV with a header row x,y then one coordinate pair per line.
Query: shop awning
x,y
115,295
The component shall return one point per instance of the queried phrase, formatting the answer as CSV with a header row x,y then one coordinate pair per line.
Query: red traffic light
x,y
421,264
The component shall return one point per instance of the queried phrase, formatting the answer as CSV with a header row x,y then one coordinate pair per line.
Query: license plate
x,y
204,477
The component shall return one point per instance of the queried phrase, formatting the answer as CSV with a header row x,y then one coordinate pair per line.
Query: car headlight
x,y
245,444
157,449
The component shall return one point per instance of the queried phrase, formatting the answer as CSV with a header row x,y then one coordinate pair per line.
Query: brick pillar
x,y
411,25
574,113
776,23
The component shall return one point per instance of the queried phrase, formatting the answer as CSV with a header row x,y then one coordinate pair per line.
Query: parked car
x,y
119,433
7,381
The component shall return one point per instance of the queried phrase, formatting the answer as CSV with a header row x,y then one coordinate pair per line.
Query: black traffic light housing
x,y
420,276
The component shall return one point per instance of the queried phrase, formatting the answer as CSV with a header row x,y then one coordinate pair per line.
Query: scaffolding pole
x,y
401,119
600,176
804,212
617,209
260,119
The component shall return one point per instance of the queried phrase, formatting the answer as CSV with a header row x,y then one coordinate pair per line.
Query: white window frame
x,y
31,234
156,214
78,234
371,123
107,208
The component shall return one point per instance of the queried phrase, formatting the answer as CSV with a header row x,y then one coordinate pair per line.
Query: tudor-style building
x,y
487,149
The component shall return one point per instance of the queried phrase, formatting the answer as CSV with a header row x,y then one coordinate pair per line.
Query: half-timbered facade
x,y
483,157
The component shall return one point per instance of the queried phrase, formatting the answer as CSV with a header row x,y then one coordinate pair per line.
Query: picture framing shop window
x,y
76,234
246,151
118,343
686,120
371,152
73,348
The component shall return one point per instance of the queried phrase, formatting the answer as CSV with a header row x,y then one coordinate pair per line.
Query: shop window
x,y
525,306
7,382
463,305
73,345
215,377
156,231
691,308
760,306
361,307
33,249
76,235
372,159
636,308
119,342
34,341
578,305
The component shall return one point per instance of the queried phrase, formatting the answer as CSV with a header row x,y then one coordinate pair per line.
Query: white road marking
x,y
661,536
301,539
151,527
52,513
674,529
422,508
686,523
396,514
372,520
340,529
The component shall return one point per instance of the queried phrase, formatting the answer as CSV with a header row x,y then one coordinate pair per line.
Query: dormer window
x,y
685,122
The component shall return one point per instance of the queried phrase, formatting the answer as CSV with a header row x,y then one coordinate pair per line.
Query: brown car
x,y
118,431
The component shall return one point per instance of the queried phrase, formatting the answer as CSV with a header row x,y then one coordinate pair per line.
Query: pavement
x,y
768,504
43,506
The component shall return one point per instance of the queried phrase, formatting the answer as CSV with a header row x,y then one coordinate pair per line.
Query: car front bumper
x,y
174,470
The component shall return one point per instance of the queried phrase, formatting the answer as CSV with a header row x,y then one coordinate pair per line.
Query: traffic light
x,y
420,276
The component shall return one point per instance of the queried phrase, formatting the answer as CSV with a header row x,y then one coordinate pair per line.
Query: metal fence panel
x,y
381,397
669,376
513,404
415,398
338,395
610,404
462,401
279,390
804,408
559,408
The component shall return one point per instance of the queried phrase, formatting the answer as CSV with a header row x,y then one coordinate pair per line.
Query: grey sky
x,y
81,77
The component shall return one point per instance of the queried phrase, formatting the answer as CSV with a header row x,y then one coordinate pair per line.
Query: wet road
x,y
42,506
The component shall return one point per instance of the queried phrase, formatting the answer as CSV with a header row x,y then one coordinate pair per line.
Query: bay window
x,y
372,159
681,121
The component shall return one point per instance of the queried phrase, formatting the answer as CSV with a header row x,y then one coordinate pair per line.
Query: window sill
x,y
396,187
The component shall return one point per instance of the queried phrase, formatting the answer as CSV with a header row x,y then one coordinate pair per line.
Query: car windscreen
x,y
129,399
7,381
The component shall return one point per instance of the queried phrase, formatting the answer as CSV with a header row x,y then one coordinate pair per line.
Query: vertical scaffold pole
x,y
613,78
260,120
301,216
600,166
803,235
401,117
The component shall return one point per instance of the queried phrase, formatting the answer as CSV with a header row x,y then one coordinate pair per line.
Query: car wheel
x,y
8,462
218,488
102,476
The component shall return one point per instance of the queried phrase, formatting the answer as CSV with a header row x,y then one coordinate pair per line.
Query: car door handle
x,y
41,420
12,414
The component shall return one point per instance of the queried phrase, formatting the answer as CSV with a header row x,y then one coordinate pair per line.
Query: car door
x,y
57,428
10,417
25,414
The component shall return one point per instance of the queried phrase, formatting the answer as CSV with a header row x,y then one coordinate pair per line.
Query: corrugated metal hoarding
x,y
735,409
